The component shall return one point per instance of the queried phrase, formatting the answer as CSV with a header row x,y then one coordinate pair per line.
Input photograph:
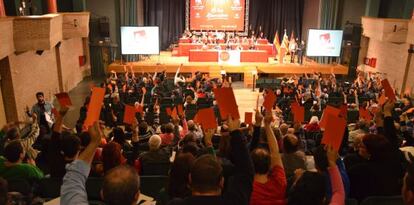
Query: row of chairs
x,y
377,200
49,188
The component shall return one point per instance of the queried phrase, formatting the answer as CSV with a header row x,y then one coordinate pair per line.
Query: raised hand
x,y
268,119
95,133
34,117
233,124
208,136
332,155
63,111
258,117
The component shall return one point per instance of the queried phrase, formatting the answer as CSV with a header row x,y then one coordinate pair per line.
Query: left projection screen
x,y
140,40
222,15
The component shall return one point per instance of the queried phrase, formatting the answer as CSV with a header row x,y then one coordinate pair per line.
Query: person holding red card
x,y
43,110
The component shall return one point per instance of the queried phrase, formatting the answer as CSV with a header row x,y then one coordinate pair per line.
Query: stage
x,y
166,62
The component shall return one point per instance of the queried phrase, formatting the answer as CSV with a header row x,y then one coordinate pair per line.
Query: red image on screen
x,y
224,15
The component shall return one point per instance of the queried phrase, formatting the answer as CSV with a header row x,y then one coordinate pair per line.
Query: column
x,y
2,9
52,6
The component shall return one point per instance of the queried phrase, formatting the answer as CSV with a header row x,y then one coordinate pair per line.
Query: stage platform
x,y
166,62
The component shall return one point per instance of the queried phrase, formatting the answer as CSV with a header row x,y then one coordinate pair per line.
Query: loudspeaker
x,y
352,41
104,27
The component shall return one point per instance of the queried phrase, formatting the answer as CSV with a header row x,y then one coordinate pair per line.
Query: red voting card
x,y
389,92
269,100
226,103
55,112
129,114
168,111
248,118
174,114
95,105
334,131
298,113
382,99
64,99
374,110
328,110
180,109
139,108
344,111
206,118
364,114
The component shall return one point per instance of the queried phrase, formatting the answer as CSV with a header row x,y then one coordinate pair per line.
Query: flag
x,y
276,42
285,41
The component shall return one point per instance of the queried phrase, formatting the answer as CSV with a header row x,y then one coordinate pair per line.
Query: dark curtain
x,y
169,15
276,15
129,17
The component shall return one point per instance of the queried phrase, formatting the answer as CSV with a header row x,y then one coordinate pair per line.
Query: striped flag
x,y
285,41
276,42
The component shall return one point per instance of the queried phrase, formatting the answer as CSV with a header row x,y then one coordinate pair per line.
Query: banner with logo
x,y
229,57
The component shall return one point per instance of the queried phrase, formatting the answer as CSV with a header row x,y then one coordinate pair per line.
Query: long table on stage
x,y
184,48
203,56
246,56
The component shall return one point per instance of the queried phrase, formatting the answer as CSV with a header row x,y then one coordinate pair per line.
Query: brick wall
x,y
72,73
32,73
26,73
392,59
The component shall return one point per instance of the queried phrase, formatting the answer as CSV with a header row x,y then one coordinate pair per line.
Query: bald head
x,y
121,186
154,142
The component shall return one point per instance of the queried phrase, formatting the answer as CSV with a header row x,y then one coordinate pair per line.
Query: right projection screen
x,y
324,43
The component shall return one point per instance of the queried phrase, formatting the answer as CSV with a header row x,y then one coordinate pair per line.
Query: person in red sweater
x,y
313,125
269,185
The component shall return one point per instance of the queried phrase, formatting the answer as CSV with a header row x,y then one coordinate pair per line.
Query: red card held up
x,y
298,114
55,112
168,111
269,100
334,131
180,109
344,111
95,105
226,103
382,99
389,92
206,118
139,108
129,114
328,110
248,118
64,99
364,114
174,114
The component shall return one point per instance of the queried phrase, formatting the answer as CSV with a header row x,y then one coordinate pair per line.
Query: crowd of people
x,y
274,160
